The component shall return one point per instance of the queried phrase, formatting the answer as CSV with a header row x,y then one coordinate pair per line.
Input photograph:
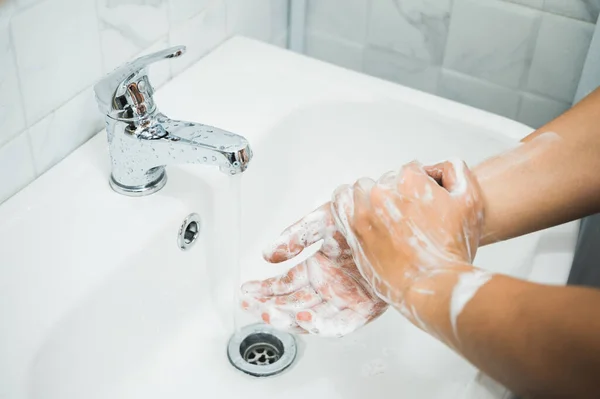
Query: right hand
x,y
410,226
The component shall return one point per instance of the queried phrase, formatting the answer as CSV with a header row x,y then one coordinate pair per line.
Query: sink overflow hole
x,y
191,232
188,231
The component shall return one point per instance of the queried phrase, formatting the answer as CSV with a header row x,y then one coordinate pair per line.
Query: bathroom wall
x,y
518,58
53,51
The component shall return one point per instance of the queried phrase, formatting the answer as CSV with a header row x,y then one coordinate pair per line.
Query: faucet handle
x,y
127,90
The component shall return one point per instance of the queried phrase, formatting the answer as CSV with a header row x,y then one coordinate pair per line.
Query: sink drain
x,y
261,351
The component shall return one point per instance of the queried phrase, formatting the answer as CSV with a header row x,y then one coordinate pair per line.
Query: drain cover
x,y
261,351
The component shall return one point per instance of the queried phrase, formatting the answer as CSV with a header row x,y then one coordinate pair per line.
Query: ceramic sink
x,y
98,301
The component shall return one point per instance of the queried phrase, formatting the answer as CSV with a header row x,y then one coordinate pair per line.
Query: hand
x,y
411,225
323,295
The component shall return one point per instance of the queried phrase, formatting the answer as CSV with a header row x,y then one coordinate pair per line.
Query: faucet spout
x,y
203,144
140,150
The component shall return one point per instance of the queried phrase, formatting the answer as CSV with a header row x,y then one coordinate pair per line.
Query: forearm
x,y
539,341
550,179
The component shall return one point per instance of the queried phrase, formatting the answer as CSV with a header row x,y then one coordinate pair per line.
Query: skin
x,y
539,341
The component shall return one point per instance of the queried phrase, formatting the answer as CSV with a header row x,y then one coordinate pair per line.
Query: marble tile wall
x,y
518,58
53,51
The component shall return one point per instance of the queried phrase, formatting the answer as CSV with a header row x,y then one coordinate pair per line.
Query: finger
x,y
388,180
304,318
293,280
300,235
265,310
342,207
338,325
304,298
453,175
360,224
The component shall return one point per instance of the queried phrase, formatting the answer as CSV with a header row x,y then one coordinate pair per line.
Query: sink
x,y
99,301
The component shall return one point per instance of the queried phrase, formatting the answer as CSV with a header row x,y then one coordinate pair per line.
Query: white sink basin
x,y
99,302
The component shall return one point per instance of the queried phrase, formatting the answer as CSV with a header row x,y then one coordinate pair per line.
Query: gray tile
x,y
415,28
585,10
536,111
493,41
334,50
559,56
347,19
478,93
410,72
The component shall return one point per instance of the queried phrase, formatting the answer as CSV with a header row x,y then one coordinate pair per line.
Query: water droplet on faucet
x,y
214,158
205,159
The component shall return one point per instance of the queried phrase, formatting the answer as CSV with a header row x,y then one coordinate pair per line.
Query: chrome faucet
x,y
142,141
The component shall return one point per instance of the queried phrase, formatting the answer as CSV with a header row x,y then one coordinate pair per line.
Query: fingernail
x,y
266,318
305,316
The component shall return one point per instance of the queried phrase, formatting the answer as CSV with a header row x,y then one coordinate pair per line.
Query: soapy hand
x,y
323,295
410,228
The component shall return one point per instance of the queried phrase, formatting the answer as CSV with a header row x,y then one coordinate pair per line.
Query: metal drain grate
x,y
261,351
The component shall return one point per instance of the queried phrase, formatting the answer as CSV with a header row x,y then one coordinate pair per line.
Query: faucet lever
x,y
126,92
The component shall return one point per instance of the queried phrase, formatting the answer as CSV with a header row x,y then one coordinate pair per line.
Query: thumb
x,y
300,235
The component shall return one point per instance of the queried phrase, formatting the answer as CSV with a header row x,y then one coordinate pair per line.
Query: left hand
x,y
324,295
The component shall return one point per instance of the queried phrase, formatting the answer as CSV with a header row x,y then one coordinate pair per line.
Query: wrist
x,y
436,299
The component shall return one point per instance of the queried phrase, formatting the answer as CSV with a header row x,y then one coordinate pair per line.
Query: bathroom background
x,y
518,58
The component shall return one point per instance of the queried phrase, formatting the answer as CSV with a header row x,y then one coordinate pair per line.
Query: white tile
x,y
25,3
559,56
537,4
346,19
61,132
200,34
264,20
414,28
16,167
478,93
58,53
585,10
249,18
12,119
121,39
333,50
536,111
181,10
398,68
492,40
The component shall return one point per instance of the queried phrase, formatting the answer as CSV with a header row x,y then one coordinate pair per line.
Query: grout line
x,y
366,44
102,57
445,48
25,131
